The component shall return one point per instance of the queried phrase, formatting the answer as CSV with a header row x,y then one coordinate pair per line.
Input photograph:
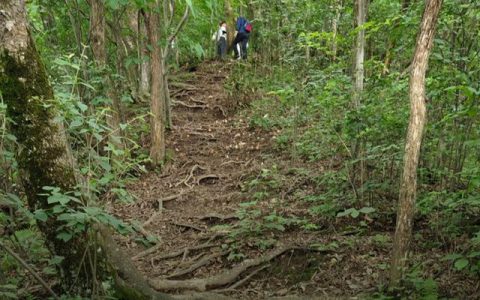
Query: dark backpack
x,y
248,27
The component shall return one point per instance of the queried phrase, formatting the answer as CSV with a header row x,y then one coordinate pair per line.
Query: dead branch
x,y
200,263
29,269
172,37
219,280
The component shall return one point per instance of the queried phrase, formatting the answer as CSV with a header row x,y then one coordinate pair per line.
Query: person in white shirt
x,y
221,38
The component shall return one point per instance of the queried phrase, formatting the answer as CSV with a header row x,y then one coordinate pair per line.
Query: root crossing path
x,y
186,209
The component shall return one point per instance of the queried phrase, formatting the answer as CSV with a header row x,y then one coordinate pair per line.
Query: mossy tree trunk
x,y
43,155
408,185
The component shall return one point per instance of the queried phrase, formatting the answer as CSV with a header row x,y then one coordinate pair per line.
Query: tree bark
x,y
97,31
143,55
336,18
359,75
230,18
157,90
97,36
408,186
44,158
360,7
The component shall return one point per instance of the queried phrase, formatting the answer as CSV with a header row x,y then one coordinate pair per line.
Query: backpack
x,y
248,27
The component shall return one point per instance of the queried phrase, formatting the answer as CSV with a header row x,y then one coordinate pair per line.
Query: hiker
x,y
240,42
221,38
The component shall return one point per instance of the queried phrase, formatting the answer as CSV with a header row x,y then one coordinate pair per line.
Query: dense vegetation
x,y
333,166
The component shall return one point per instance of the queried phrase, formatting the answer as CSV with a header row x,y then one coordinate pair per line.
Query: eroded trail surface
x,y
212,152
228,213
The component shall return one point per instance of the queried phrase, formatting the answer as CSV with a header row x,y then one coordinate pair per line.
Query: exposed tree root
x,y
190,176
189,226
129,282
222,110
210,136
147,252
194,106
200,263
242,281
219,280
208,176
160,207
217,216
182,251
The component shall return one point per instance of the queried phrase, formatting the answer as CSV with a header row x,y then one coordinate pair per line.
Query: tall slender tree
x,y
359,76
408,186
157,86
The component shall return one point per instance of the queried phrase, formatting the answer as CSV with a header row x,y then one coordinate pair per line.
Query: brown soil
x,y
192,207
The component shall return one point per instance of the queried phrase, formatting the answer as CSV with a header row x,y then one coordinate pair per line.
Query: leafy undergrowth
x,y
308,188
247,184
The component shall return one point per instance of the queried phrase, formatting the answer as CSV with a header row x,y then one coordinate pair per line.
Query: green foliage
x,y
354,213
8,291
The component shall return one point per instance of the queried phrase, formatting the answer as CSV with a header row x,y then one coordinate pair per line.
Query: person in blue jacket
x,y
241,39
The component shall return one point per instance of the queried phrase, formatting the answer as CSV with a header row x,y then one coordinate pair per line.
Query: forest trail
x,y
214,151
192,208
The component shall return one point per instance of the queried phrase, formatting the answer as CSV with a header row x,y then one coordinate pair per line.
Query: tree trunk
x,y
97,31
97,36
408,186
157,91
230,18
335,21
359,75
44,159
143,55
360,7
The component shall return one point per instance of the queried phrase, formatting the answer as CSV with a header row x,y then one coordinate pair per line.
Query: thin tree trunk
x,y
97,36
157,92
230,18
359,75
97,32
45,159
408,186
143,55
336,18
360,6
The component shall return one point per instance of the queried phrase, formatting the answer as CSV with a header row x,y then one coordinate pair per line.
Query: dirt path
x,y
192,209
213,152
